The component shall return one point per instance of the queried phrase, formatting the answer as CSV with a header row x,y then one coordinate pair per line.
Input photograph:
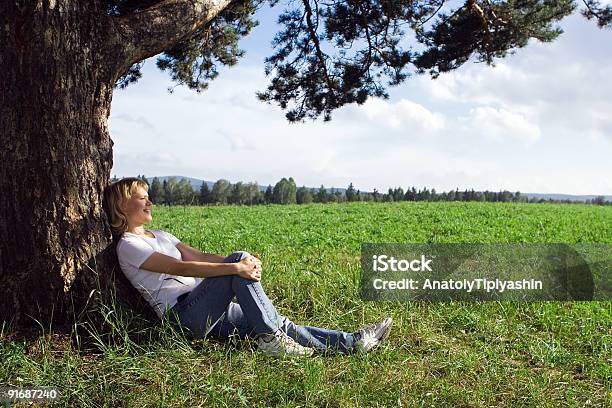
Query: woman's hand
x,y
249,268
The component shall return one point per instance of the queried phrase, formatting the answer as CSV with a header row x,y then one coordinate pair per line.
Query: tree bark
x,y
56,153
156,29
59,60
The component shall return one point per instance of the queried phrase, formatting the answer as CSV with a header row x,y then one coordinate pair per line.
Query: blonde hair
x,y
116,195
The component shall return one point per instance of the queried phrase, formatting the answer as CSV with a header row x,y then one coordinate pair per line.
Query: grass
x,y
502,354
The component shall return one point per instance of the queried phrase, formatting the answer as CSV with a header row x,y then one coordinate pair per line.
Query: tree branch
x,y
435,13
313,36
148,32
594,9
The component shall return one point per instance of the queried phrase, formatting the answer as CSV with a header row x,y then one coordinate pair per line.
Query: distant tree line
x,y
180,192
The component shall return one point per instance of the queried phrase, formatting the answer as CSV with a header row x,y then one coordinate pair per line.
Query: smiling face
x,y
138,208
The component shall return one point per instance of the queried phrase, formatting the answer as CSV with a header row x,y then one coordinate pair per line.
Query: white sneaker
x,y
280,343
372,335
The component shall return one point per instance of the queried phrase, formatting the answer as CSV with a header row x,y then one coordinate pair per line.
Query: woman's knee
x,y
236,256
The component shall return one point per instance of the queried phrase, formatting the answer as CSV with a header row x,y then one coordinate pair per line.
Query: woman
x,y
169,274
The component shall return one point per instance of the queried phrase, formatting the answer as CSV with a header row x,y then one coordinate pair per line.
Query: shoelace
x,y
289,340
369,330
281,337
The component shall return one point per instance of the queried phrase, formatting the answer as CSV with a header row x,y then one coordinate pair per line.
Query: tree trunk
x,y
59,62
56,153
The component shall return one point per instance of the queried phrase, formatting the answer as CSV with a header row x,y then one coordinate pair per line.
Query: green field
x,y
453,354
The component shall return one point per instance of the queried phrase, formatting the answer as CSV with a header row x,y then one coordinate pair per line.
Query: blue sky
x,y
539,121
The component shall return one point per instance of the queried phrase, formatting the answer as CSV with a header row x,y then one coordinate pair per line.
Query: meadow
x,y
442,354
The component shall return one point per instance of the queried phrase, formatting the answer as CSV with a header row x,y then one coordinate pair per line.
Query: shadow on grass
x,y
104,313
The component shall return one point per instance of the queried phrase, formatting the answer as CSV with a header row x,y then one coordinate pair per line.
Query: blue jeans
x,y
209,309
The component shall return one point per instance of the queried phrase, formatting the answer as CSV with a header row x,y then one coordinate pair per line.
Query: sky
x,y
539,121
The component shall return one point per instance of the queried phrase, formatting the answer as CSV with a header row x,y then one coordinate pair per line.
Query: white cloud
x,y
501,125
139,120
402,114
144,162
236,141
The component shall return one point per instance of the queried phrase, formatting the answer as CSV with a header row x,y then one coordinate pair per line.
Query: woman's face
x,y
138,207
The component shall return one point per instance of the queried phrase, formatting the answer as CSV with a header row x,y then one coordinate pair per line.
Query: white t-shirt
x,y
159,289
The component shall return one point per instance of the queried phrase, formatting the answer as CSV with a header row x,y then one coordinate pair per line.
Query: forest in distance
x,y
174,191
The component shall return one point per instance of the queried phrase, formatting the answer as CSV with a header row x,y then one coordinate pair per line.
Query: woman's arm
x,y
248,268
191,254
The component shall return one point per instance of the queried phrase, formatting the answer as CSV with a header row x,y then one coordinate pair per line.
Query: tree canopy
x,y
331,53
